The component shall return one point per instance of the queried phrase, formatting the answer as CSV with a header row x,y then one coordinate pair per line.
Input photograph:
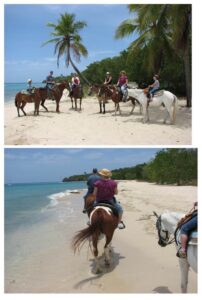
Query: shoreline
x,y
89,127
138,262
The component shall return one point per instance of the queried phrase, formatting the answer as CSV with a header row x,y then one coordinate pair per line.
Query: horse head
x,y
163,233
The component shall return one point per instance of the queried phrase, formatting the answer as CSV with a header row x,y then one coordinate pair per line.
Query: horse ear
x,y
155,214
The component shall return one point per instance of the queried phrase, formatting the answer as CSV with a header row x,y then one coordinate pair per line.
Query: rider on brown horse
x,y
122,85
49,85
90,183
75,82
105,190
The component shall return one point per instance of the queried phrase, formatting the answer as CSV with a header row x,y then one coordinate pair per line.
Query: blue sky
x,y
25,31
49,164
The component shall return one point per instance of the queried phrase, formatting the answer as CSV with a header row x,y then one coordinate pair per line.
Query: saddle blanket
x,y
193,238
107,209
158,93
25,92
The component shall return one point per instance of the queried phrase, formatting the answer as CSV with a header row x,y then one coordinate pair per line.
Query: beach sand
x,y
139,264
89,127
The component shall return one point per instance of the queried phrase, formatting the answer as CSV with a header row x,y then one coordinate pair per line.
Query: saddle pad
x,y
107,209
158,93
193,238
24,92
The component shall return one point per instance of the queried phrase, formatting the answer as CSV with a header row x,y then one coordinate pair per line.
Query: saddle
x,y
114,210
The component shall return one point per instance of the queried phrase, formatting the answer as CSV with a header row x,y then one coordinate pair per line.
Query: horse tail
x,y
174,109
94,228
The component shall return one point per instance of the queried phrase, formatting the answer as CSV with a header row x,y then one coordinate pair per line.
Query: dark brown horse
x,y
102,99
102,221
56,92
116,96
76,93
22,99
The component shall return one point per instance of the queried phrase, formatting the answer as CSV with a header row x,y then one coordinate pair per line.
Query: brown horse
x,y
102,221
76,93
116,96
96,88
56,92
39,96
22,99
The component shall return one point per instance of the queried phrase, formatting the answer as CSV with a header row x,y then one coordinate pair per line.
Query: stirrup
x,y
181,254
121,225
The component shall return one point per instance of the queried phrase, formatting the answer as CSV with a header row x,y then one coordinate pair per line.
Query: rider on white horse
x,y
153,87
185,230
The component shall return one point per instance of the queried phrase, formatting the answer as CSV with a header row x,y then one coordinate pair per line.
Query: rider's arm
x,y
95,191
116,191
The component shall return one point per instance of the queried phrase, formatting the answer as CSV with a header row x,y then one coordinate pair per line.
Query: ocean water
x,y
11,89
39,218
28,204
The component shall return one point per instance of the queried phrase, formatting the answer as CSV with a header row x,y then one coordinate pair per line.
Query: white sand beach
x,y
139,264
89,127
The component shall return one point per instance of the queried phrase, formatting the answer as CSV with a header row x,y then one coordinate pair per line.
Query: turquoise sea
x,y
11,89
28,204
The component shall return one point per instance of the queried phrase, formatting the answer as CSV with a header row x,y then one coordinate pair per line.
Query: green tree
x,y
68,41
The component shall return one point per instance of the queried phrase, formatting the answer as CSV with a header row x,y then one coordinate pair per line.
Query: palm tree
x,y
68,41
181,38
151,26
161,28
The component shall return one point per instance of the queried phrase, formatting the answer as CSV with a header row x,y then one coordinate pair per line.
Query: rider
x,y
49,84
153,87
108,79
90,183
104,191
74,82
122,85
30,88
185,230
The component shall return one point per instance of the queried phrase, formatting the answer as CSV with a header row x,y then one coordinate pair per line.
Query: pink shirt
x,y
105,189
123,79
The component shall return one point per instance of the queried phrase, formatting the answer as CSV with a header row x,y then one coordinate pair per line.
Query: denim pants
x,y
189,226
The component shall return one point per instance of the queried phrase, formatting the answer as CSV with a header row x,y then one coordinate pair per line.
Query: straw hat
x,y
105,172
29,80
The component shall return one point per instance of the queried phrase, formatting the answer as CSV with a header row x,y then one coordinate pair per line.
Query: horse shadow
x,y
162,290
115,258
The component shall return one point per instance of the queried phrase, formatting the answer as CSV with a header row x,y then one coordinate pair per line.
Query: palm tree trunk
x,y
77,71
187,67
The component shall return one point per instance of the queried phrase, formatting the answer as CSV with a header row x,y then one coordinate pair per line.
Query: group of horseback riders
x,y
50,82
122,85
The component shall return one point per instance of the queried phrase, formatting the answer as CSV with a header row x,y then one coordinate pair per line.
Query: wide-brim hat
x,y
29,80
105,173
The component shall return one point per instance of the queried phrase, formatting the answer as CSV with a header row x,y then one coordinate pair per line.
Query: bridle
x,y
163,241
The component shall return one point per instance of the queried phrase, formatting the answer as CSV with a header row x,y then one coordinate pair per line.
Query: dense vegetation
x,y
170,166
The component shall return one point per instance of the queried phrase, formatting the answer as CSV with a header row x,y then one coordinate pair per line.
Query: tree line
x,y
162,46
170,166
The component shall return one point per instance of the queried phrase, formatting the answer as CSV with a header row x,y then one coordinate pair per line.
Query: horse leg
x,y
145,113
103,107
36,108
184,269
107,249
80,102
42,104
72,102
22,108
100,103
18,109
57,106
75,101
95,253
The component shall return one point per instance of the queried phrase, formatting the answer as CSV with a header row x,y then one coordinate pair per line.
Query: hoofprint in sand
x,y
139,264
89,127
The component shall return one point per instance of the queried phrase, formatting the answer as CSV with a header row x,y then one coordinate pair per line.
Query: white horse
x,y
167,99
166,225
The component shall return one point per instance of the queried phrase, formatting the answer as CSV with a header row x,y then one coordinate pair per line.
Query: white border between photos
x,y
196,140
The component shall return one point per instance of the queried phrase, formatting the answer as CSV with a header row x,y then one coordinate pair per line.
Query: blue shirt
x,y
91,181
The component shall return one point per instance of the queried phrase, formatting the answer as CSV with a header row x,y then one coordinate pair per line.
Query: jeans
x,y
124,90
153,90
189,226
